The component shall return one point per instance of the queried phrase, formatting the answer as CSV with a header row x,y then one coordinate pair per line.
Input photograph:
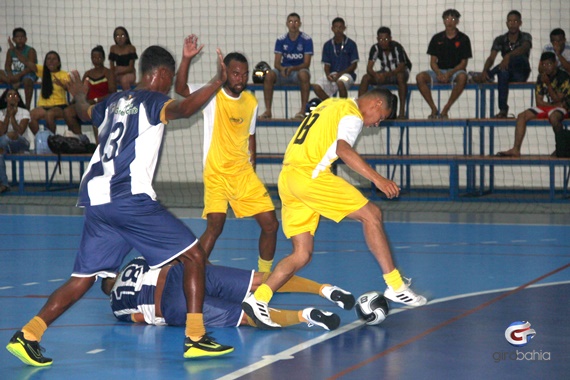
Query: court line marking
x,y
448,322
289,353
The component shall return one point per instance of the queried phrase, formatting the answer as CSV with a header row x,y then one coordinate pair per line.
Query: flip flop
x,y
505,154
264,115
299,116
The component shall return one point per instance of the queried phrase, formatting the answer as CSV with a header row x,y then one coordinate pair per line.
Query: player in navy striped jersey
x,y
121,211
155,296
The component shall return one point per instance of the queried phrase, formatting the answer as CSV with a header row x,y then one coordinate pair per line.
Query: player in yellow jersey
x,y
229,158
309,190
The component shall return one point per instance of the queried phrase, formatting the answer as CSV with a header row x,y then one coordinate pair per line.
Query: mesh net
x,y
73,28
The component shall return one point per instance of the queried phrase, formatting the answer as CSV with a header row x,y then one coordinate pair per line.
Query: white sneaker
x,y
259,312
407,296
339,296
325,319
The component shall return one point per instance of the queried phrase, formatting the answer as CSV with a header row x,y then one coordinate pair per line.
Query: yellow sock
x,y
300,285
394,280
195,329
264,265
250,321
285,317
263,293
34,329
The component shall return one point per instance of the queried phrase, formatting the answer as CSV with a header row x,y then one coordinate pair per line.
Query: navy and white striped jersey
x,y
133,292
131,127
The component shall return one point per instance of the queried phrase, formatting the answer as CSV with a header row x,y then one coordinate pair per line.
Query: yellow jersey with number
x,y
313,147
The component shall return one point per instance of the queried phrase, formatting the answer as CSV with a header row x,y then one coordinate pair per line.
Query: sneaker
x,y
327,320
259,312
341,297
28,351
407,296
206,346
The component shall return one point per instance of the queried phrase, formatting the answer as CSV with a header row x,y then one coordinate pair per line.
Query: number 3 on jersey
x,y
112,145
304,128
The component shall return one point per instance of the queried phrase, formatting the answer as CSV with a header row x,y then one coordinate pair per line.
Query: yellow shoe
x,y
28,351
205,347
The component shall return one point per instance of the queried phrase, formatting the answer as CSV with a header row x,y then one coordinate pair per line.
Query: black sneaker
x,y
28,351
206,346
325,319
339,296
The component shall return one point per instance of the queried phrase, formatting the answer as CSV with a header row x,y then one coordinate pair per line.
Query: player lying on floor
x,y
156,296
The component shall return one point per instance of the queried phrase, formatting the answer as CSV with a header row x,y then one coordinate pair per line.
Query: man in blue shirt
x,y
340,57
293,53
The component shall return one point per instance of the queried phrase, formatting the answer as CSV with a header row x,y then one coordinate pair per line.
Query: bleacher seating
x,y
474,159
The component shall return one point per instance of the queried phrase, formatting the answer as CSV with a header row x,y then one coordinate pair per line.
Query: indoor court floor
x,y
481,273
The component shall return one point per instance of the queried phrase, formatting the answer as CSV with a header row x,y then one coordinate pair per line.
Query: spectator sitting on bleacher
x,y
560,48
552,84
53,95
395,67
340,58
515,66
100,81
17,72
122,58
293,53
14,119
449,50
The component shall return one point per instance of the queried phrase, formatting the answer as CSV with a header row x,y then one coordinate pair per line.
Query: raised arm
x,y
188,106
78,90
190,50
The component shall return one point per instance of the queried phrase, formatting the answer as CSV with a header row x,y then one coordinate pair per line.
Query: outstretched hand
x,y
76,86
191,48
222,73
10,43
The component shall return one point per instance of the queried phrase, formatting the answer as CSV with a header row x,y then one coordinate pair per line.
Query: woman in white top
x,y
14,119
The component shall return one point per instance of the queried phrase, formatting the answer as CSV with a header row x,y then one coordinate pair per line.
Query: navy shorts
x,y
226,288
112,230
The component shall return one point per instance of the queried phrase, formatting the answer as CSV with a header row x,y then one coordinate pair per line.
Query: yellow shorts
x,y
305,199
245,193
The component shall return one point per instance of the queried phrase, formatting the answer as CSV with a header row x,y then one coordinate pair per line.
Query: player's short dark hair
x,y
156,56
558,32
451,12
338,19
18,30
516,13
235,56
548,56
385,95
384,30
294,14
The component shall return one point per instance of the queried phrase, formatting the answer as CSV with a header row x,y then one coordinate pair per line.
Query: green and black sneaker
x,y
28,351
205,347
